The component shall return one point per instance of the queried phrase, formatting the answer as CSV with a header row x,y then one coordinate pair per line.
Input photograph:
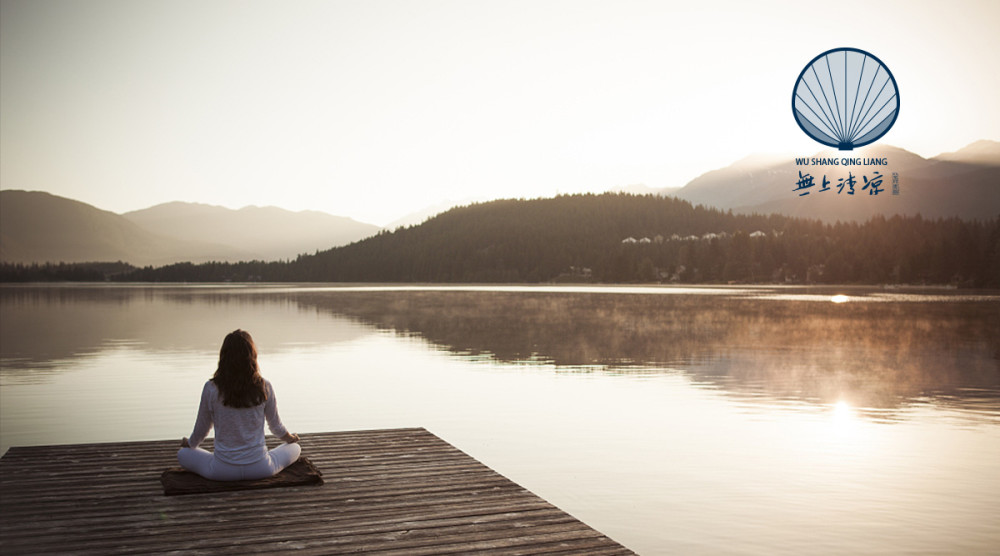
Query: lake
x,y
699,420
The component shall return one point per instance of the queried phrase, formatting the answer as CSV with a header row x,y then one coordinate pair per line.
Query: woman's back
x,y
239,431
237,401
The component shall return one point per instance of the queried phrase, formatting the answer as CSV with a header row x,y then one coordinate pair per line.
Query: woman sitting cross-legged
x,y
237,401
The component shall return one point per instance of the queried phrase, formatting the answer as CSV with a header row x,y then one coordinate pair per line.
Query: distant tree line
x,y
579,238
63,272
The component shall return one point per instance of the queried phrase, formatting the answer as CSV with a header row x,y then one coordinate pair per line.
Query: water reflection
x,y
47,327
880,352
884,355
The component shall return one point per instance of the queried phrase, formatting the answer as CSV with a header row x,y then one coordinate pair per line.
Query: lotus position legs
x,y
204,463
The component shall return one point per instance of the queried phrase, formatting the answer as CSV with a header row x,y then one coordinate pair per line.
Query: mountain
x,y
37,227
965,184
616,238
742,183
265,233
981,152
40,227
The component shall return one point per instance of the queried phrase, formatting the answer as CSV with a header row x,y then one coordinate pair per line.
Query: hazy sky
x,y
374,109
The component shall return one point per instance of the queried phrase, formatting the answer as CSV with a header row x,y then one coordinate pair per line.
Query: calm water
x,y
675,420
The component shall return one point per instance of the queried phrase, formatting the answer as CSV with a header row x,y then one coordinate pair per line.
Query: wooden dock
x,y
400,491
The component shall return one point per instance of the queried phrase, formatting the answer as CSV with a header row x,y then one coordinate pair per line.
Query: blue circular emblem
x,y
845,98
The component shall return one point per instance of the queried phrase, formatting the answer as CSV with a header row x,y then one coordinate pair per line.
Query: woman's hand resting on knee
x,y
290,438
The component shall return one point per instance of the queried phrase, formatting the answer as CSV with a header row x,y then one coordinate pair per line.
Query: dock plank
x,y
396,491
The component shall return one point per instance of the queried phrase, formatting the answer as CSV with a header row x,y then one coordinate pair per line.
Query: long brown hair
x,y
238,376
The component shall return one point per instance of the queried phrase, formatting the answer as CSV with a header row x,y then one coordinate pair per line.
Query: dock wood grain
x,y
399,491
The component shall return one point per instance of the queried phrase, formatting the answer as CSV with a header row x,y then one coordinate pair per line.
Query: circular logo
x,y
845,98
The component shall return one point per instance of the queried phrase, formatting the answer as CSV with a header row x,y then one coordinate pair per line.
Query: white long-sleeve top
x,y
239,432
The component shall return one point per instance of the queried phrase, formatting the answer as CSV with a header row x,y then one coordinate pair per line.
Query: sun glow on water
x,y
842,410
845,426
839,298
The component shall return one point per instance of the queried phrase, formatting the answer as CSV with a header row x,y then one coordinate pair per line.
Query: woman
x,y
237,401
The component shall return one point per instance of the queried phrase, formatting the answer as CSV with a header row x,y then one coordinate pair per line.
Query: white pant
x,y
205,463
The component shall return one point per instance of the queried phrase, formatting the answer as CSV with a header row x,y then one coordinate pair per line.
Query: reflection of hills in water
x,y
876,355
40,327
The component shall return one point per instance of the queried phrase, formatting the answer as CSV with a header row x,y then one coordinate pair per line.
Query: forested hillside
x,y
628,238
525,240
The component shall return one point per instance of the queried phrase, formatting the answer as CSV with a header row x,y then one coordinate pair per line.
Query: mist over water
x,y
757,420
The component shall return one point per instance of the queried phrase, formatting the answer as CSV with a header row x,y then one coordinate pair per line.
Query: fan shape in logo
x,y
845,98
